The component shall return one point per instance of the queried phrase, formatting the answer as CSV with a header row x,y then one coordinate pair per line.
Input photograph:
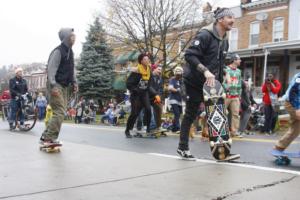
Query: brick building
x,y
261,36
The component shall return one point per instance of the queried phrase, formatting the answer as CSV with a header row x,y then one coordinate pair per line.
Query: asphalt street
x,y
98,162
254,149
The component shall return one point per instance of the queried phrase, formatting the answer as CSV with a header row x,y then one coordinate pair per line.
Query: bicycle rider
x,y
17,87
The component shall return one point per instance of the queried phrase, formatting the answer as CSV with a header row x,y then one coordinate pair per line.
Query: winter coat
x,y
275,89
136,87
17,86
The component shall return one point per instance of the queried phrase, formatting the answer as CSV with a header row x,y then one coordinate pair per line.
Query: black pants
x,y
194,99
270,118
138,102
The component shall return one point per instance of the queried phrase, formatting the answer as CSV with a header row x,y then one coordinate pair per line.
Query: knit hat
x,y
178,70
223,12
234,57
19,69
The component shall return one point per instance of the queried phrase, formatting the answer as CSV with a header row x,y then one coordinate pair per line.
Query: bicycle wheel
x,y
30,117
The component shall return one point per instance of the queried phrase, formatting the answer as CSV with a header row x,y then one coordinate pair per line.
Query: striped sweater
x,y
232,82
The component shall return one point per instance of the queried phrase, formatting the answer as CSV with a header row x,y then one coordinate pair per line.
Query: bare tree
x,y
155,26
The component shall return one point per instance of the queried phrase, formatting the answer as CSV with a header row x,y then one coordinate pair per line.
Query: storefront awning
x,y
285,45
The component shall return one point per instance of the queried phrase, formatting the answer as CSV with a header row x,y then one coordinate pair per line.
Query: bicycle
x,y
5,109
28,110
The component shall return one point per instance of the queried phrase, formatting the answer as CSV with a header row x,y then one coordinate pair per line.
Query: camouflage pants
x,y
59,106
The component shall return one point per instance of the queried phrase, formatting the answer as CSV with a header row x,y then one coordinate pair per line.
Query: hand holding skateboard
x,y
210,78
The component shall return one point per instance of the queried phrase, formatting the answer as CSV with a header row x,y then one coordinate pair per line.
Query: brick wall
x,y
266,28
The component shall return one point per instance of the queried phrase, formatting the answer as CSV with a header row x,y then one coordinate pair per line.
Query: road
x,y
98,162
254,149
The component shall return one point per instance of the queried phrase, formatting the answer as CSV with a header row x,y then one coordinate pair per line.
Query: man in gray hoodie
x,y
61,77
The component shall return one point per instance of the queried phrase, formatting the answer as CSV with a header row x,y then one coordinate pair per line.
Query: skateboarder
x,y
292,105
61,76
205,62
157,85
138,83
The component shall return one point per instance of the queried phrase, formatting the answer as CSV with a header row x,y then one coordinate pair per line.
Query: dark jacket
x,y
246,97
176,84
135,87
17,87
157,84
60,68
65,72
208,49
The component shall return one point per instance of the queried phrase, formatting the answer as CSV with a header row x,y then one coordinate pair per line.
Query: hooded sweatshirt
x,y
58,58
208,49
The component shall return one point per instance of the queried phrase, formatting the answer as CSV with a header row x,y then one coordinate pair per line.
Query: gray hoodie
x,y
55,57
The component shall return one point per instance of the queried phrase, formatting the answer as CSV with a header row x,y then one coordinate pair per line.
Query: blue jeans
x,y
140,119
14,107
42,110
177,110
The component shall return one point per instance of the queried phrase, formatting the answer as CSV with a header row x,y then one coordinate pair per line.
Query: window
x,y
233,39
254,34
278,27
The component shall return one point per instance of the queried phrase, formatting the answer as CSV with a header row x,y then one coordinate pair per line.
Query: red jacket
x,y
5,95
275,88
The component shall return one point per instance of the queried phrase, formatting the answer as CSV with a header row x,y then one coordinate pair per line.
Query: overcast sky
x,y
29,27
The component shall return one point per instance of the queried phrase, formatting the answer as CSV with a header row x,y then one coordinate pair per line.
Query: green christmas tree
x,y
95,69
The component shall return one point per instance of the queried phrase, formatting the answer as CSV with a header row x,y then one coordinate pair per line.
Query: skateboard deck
x,y
218,130
284,157
140,134
230,157
162,133
50,148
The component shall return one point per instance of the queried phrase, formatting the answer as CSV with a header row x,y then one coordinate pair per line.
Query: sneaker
x,y
44,140
22,127
11,127
186,155
127,134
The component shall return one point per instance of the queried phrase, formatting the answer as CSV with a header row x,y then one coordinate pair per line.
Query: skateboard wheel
x,y
212,143
221,150
222,156
230,141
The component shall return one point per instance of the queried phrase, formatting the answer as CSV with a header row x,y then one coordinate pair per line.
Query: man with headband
x,y
205,62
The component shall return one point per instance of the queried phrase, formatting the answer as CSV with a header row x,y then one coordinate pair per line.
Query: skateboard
x,y
218,130
50,147
140,134
283,157
230,157
161,133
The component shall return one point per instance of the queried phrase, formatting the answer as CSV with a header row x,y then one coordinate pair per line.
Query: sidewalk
x,y
87,172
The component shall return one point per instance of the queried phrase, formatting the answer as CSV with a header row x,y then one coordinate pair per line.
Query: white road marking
x,y
232,164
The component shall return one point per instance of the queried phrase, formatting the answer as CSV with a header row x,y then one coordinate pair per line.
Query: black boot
x,y
127,134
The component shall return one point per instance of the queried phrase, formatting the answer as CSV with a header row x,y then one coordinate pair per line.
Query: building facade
x,y
262,37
